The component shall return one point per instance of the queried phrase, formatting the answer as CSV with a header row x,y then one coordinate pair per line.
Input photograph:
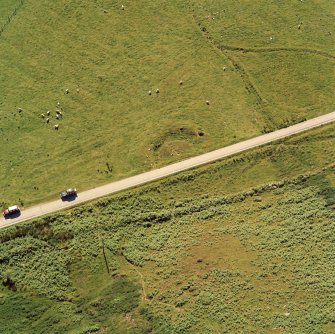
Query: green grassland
x,y
284,51
245,245
6,9
110,58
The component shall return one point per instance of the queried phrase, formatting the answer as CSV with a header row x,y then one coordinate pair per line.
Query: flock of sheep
x,y
59,114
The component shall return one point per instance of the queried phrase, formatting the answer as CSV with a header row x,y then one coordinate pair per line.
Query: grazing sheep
x,y
48,113
299,26
67,91
58,104
56,126
47,120
207,102
180,82
77,90
57,116
42,115
157,90
149,92
20,110
122,7
224,68
57,111
60,114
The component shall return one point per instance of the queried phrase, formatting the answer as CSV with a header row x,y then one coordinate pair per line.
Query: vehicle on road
x,y
11,211
71,192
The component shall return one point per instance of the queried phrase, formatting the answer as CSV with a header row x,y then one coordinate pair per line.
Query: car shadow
x,y
13,215
69,198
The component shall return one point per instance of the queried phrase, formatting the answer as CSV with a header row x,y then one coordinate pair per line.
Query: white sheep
x,y
157,90
56,126
149,92
207,102
122,7
67,91
48,113
180,82
42,115
47,120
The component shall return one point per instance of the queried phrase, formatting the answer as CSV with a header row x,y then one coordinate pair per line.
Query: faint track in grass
x,y
224,47
227,50
145,297
10,17
249,85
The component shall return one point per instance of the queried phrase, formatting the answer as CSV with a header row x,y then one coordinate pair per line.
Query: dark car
x,y
71,192
11,211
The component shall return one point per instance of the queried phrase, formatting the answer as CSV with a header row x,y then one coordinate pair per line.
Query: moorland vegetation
x,y
242,245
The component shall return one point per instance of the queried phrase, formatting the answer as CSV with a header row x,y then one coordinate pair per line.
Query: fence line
x,y
10,17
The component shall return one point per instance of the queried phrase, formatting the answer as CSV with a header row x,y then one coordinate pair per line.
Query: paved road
x,y
156,174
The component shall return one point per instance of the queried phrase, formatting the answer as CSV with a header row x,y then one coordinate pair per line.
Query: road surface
x,y
156,174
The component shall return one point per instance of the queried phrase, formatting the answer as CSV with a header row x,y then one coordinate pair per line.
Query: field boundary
x,y
228,50
226,47
249,85
278,49
10,17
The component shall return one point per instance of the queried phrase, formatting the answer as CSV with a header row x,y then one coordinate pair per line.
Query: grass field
x,y
284,51
240,246
110,58
6,9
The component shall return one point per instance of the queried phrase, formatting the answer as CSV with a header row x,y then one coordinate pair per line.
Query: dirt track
x,y
156,174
